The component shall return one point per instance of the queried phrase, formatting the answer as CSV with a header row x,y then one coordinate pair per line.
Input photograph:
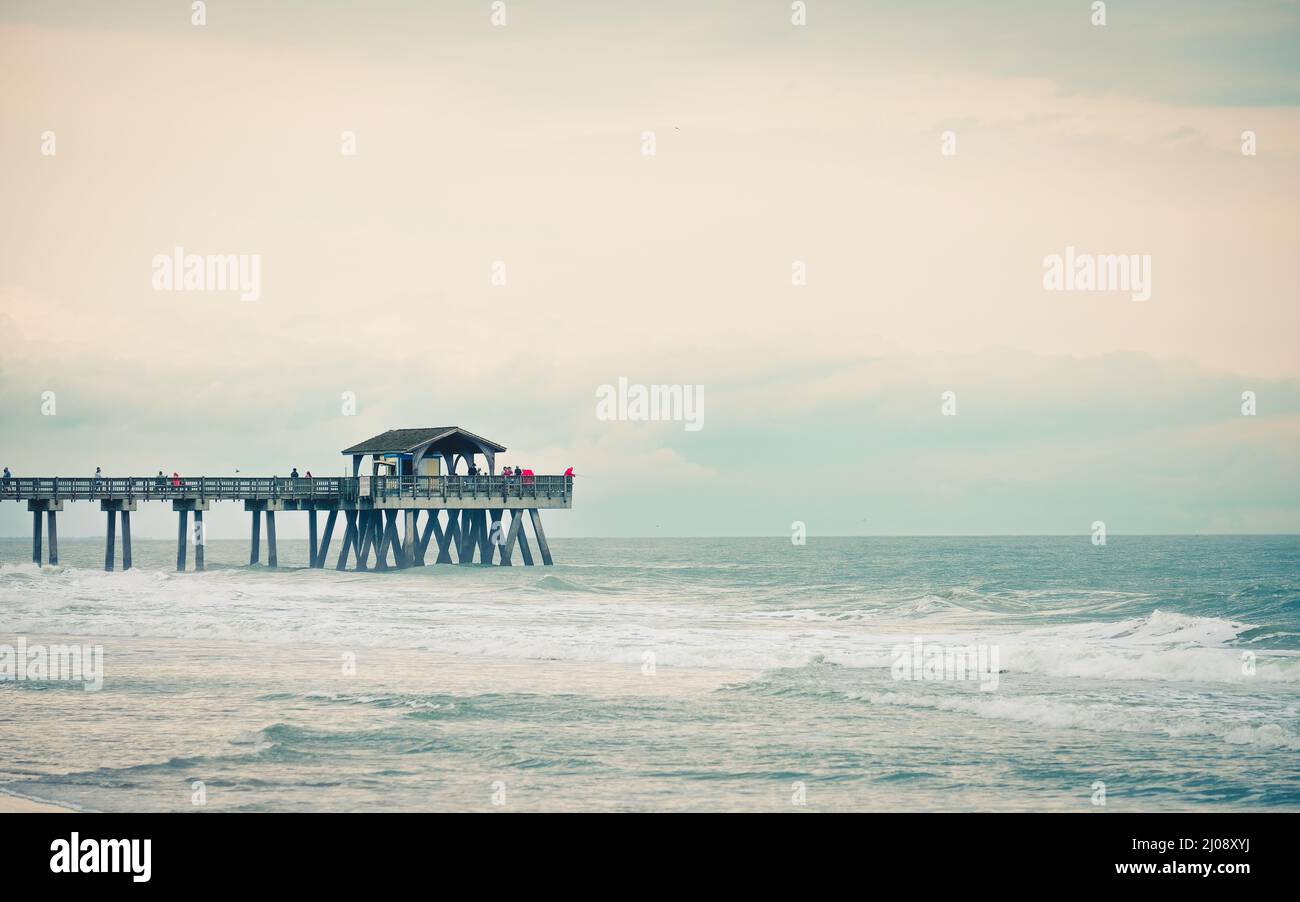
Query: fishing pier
x,y
410,507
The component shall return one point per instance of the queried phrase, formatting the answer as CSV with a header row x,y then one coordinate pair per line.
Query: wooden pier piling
x,y
409,550
50,516
112,509
256,550
110,541
45,529
200,539
542,547
349,540
447,537
323,549
182,538
512,536
524,551
365,536
422,540
471,535
311,538
272,558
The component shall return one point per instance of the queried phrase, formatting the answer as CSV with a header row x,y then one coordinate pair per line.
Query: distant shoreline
x,y
26,536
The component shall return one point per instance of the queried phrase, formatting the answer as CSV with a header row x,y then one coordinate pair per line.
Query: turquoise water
x,y
713,674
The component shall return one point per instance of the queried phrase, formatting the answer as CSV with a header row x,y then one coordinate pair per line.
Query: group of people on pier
x,y
522,475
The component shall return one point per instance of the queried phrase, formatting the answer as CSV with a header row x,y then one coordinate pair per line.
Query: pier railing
x,y
446,487
316,488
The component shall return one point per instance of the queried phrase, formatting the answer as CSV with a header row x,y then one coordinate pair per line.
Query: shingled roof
x,y
406,441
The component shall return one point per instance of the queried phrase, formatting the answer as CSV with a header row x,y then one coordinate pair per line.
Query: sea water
x,y
1150,673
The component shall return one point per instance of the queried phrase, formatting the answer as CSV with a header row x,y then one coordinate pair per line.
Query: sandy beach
x,y
11,804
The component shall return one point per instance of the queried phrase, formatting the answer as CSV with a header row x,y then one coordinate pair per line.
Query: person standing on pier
x,y
160,482
9,478
176,481
99,479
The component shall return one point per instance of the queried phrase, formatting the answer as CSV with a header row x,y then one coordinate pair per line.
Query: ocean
x,y
1148,674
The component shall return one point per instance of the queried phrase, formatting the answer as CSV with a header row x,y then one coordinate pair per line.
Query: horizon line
x,y
907,535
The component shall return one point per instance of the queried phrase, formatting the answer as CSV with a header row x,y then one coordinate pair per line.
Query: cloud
x,y
775,145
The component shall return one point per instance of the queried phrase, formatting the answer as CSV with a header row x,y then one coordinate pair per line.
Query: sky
x,y
774,144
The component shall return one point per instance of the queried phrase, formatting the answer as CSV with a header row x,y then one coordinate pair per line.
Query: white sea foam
x,y
1105,717
467,613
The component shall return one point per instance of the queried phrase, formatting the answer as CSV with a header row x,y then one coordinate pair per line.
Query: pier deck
x,y
343,492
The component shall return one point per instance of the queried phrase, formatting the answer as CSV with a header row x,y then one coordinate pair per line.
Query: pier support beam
x,y
524,551
255,551
376,539
380,528
377,533
540,533
485,545
257,508
350,542
126,540
111,509
311,538
53,528
200,539
467,541
409,541
182,507
497,532
445,539
44,510
323,549
508,549
387,539
182,537
422,543
110,541
397,542
272,558
365,536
